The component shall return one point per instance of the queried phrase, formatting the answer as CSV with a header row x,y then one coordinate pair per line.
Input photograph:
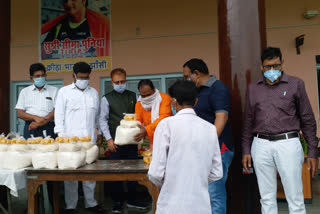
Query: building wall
x,y
152,37
170,34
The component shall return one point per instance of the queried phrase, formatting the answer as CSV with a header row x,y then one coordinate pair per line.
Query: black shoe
x,y
137,204
117,207
96,209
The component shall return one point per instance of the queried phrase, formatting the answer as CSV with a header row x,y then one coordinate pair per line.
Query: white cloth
x,y
152,103
104,118
14,179
186,157
77,112
71,193
286,157
35,102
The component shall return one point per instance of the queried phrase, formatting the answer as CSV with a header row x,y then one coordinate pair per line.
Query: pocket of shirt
x,y
287,105
49,105
91,104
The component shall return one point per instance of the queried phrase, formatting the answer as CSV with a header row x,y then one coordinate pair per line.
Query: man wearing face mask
x,y
113,105
213,106
152,107
186,156
77,114
36,104
277,109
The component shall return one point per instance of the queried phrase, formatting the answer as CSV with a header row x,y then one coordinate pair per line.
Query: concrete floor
x,y
20,204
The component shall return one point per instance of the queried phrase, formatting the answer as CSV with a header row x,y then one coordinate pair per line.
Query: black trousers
x,y
126,152
49,127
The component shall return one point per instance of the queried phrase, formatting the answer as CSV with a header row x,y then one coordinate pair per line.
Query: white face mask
x,y
81,84
148,101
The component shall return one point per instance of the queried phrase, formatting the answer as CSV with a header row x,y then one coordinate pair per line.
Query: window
x,y
162,82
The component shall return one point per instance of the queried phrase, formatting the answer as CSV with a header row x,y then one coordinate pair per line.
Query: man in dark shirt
x,y
213,106
277,109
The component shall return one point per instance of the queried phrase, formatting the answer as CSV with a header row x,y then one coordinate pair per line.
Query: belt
x,y
277,136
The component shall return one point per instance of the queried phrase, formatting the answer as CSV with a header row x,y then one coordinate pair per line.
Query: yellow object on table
x,y
147,156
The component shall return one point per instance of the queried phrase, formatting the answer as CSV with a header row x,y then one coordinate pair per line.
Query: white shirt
x,y
104,118
35,102
76,112
186,157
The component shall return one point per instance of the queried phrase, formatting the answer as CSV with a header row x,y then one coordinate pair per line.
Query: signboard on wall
x,y
73,31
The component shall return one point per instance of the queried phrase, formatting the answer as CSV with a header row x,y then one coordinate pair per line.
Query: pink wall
x,y
172,32
158,50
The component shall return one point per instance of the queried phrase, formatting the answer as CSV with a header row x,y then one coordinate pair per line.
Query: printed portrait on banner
x,y
73,31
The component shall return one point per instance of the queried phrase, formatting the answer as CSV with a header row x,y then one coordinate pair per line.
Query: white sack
x,y
71,160
86,145
92,154
47,147
15,160
129,123
69,147
3,147
46,160
126,136
18,148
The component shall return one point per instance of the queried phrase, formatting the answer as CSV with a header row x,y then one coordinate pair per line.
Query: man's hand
x,y
111,146
33,126
40,120
99,139
141,135
246,162
313,166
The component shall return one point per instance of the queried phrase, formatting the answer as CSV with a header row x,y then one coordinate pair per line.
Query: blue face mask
x,y
120,88
39,82
272,75
173,111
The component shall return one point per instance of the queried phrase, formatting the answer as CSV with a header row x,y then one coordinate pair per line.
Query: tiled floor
x,y
314,208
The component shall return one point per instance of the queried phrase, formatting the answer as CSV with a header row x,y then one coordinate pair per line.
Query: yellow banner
x,y
66,65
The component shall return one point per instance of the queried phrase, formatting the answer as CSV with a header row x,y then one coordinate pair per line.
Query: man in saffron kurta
x,y
152,107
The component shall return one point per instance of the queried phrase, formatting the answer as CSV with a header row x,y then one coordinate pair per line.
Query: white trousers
x,y
71,193
286,157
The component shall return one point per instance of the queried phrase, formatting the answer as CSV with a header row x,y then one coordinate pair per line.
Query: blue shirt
x,y
214,97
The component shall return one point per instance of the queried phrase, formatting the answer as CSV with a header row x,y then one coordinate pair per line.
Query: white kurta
x,y
186,157
77,112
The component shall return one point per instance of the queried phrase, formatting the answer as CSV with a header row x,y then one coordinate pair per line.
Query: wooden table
x,y
102,170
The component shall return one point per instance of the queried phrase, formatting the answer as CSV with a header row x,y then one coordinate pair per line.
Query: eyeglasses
x,y
120,82
275,66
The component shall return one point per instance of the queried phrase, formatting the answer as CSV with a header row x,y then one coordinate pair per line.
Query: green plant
x,y
304,144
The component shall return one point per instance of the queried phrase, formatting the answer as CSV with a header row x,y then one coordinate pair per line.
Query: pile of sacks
x,y
63,152
128,129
